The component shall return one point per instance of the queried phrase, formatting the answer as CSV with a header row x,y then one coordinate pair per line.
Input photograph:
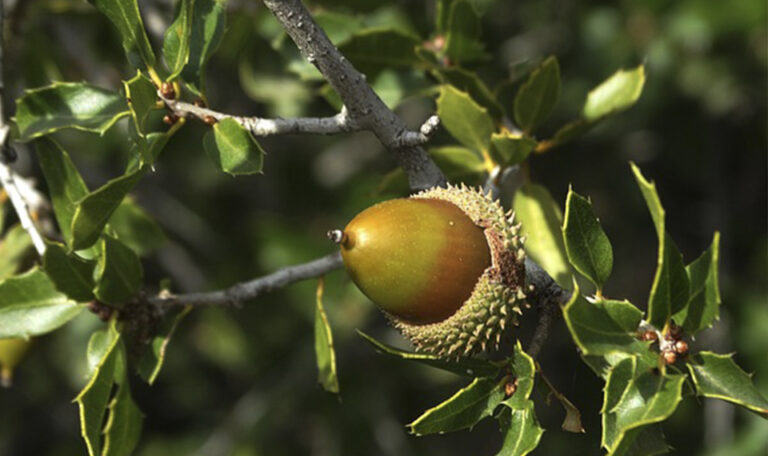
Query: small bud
x,y
510,388
210,120
681,347
170,119
670,357
166,89
675,331
650,335
199,103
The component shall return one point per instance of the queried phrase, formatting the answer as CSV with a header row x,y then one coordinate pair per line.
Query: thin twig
x,y
6,173
244,291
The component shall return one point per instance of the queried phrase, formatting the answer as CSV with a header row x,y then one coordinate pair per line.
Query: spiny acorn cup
x,y
446,266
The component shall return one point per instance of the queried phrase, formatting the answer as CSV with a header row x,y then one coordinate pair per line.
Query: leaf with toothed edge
x,y
718,376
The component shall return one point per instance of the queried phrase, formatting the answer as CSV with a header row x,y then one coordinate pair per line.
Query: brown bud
x,y
681,347
650,335
166,89
670,357
210,120
170,119
675,331
199,103
510,388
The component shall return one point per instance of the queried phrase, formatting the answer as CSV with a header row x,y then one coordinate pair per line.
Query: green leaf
x,y
642,441
521,431
177,38
463,410
524,371
233,149
207,31
134,227
468,81
538,95
615,94
93,211
324,351
125,16
718,376
141,96
565,134
123,428
103,355
604,326
154,355
704,303
65,186
541,219
462,44
669,292
509,149
146,151
119,274
30,305
636,397
71,274
464,119
586,244
68,105
470,367
375,49
14,247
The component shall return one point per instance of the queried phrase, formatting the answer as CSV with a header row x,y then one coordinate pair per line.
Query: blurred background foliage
x,y
243,381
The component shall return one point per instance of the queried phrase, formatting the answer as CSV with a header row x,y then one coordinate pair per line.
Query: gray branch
x,y
244,291
363,105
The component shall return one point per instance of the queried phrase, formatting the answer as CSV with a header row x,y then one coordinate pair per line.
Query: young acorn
x,y
445,265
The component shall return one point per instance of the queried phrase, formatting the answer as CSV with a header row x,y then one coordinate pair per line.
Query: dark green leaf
x,y
118,273
470,367
125,16
93,211
615,94
604,326
566,133
208,21
324,351
541,218
642,441
71,274
468,81
704,303
68,105
233,149
462,42
154,355
103,355
123,428
65,186
464,119
538,95
509,150
718,376
14,247
147,151
177,37
669,292
521,431
134,227
375,49
142,96
30,305
524,371
463,410
586,244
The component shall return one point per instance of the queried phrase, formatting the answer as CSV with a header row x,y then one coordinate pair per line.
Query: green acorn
x,y
446,265
11,353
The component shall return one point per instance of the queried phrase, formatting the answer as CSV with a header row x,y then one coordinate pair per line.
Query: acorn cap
x,y
446,266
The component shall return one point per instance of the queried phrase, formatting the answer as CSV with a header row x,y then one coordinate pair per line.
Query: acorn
x,y
11,352
445,265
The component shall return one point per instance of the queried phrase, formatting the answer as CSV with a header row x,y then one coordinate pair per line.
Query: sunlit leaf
x,y
464,119
324,351
586,244
233,149
125,16
718,376
615,94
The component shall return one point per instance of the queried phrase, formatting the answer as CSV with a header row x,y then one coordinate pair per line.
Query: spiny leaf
x,y
718,376
703,306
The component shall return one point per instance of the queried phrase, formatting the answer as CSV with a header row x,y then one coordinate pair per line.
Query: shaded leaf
x,y
154,355
463,410
541,219
718,376
468,81
176,39
642,441
71,274
324,351
464,119
125,16
521,431
93,211
509,149
462,34
375,49
134,227
538,95
119,273
30,305
566,133
233,149
669,292
142,96
615,94
68,105
470,367
704,302
123,428
14,247
523,369
586,244
207,30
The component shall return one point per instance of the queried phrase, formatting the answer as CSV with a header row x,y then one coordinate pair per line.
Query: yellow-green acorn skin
x,y
445,265
417,259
